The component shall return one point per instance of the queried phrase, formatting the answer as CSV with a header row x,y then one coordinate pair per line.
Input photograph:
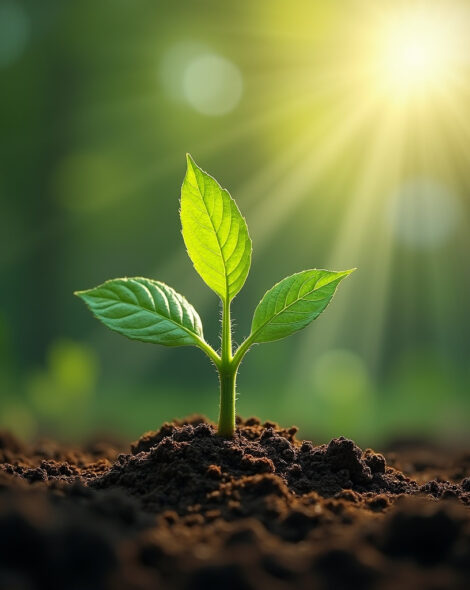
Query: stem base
x,y
226,425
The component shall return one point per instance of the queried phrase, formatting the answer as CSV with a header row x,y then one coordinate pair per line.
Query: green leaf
x,y
145,310
215,233
293,303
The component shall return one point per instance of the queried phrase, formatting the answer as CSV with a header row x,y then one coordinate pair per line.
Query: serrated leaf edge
x,y
342,274
200,339
191,162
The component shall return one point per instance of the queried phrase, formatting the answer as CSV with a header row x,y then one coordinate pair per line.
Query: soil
x,y
186,509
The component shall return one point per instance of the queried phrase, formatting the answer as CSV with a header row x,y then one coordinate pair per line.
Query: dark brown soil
x,y
187,509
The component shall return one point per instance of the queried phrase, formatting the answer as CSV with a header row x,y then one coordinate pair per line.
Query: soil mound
x,y
187,464
187,509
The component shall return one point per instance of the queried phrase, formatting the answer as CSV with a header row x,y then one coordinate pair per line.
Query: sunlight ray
x,y
362,224
272,210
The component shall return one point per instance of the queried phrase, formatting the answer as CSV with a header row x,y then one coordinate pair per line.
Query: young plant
x,y
218,243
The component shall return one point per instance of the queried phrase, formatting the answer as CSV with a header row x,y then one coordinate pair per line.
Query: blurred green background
x,y
342,129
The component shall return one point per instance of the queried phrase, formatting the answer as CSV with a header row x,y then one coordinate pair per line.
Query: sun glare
x,y
417,53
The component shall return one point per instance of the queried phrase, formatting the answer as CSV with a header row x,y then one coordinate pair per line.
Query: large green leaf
x,y
215,233
145,310
293,303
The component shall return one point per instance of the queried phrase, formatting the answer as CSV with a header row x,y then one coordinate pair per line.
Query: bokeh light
x,y
14,31
64,387
212,84
174,63
423,213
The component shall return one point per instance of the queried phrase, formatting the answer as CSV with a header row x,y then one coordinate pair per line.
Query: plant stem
x,y
227,377
215,358
241,351
226,335
226,425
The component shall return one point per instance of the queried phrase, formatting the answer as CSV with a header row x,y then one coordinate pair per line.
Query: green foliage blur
x,y
99,103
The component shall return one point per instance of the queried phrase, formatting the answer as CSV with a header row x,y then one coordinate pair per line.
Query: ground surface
x,y
186,509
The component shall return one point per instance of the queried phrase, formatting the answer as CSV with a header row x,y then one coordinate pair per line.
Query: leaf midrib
x,y
226,297
253,335
156,313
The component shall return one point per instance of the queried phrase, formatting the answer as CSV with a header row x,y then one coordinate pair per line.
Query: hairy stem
x,y
226,425
226,335
241,351
215,358
227,376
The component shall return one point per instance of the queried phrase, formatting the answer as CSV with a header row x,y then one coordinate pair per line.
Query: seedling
x,y
218,243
